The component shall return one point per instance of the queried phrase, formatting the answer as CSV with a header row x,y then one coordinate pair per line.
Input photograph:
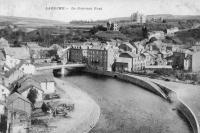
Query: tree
x,y
44,107
145,32
32,95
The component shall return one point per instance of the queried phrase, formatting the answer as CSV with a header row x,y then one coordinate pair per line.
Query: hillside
x,y
189,36
28,22
164,16
107,35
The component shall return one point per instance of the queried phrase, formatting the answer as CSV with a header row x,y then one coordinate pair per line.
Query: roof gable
x,y
16,96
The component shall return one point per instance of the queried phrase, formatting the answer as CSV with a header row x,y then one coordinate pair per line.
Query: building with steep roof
x,y
138,17
3,43
4,92
135,62
21,53
19,112
2,60
46,82
102,57
126,46
26,84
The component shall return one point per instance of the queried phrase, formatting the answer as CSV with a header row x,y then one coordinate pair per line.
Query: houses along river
x,y
127,108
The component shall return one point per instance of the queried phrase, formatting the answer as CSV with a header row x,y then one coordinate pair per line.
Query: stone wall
x,y
182,108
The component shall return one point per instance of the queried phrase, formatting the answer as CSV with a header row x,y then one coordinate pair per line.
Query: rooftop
x,y
128,54
43,78
18,52
2,55
14,97
26,83
3,43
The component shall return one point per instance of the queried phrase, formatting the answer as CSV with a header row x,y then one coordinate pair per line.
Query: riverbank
x,y
85,115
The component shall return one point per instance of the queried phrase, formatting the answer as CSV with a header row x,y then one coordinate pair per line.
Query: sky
x,y
70,9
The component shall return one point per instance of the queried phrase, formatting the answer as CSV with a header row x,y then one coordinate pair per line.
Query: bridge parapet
x,y
61,66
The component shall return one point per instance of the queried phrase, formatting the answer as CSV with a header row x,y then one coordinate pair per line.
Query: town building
x,y
156,34
115,27
130,62
3,43
3,117
40,54
182,59
156,19
195,62
14,54
64,55
10,77
2,109
27,68
140,46
126,46
4,92
2,60
112,26
85,48
138,17
19,112
101,57
171,31
75,54
26,84
160,61
124,63
46,82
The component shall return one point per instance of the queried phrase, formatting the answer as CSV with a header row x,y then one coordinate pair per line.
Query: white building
x,y
4,92
3,43
14,55
134,62
27,84
2,108
171,31
47,83
27,68
11,62
138,17
156,34
115,27
112,26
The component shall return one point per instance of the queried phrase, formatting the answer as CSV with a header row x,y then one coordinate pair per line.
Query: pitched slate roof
x,y
12,70
14,97
128,54
43,78
2,55
26,83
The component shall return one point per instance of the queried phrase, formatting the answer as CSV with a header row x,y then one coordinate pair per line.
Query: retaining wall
x,y
182,107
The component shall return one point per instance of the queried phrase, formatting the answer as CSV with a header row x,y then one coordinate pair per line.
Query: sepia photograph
x,y
99,66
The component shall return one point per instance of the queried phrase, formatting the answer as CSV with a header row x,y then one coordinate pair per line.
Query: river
x,y
127,108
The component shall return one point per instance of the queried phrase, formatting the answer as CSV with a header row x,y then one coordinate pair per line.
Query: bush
x,y
32,95
45,107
